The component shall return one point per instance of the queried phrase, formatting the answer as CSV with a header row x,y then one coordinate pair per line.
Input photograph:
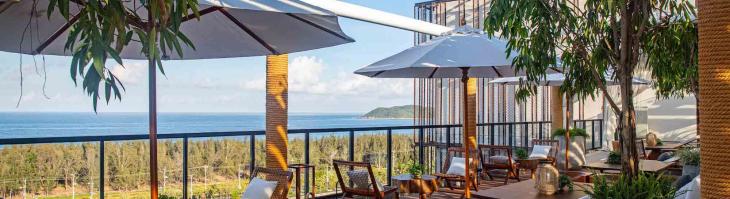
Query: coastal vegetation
x,y
218,165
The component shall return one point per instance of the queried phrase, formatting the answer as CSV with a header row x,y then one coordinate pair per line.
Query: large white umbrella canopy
x,y
227,28
555,79
446,56
463,53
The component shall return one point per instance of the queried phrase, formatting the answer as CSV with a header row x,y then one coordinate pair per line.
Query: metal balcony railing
x,y
429,141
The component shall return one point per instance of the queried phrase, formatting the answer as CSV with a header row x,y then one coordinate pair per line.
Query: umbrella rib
x,y
201,13
496,71
433,72
377,73
320,27
55,35
249,31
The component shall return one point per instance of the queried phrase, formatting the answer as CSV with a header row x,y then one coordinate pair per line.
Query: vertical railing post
x,y
389,155
351,148
101,168
593,134
420,146
540,131
448,137
185,167
306,161
252,152
491,134
526,133
510,134
600,132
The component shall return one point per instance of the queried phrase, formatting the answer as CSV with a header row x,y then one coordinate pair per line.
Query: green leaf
x,y
51,7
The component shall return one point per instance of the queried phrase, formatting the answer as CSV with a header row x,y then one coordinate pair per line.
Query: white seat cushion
x,y
259,189
457,166
540,151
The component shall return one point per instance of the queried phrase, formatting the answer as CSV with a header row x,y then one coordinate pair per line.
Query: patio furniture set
x,y
357,179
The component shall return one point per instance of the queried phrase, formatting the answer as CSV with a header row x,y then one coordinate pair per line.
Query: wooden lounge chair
x,y
359,180
554,144
451,178
499,158
282,177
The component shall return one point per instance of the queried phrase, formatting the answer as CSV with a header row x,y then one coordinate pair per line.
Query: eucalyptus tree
x,y
102,29
592,37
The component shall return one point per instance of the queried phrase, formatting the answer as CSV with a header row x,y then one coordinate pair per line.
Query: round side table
x,y
529,164
424,186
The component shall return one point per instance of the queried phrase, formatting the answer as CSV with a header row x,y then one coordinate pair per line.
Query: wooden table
x,y
424,186
298,168
529,164
655,151
644,165
526,189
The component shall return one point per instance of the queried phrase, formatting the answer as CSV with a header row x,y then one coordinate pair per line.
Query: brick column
x,y
277,69
714,71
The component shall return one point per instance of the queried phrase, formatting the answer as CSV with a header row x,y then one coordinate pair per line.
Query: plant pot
x,y
576,155
691,170
615,145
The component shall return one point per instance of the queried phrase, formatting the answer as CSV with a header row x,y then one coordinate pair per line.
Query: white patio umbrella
x,y
557,79
461,53
227,28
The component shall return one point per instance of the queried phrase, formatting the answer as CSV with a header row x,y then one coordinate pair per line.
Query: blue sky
x,y
321,81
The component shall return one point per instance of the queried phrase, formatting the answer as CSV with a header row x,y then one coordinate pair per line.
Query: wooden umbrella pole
x,y
568,115
152,107
153,127
467,131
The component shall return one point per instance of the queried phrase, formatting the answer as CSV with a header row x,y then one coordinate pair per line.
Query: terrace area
x,y
470,131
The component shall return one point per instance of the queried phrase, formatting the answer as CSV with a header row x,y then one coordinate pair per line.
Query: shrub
x,y
644,185
573,132
689,156
521,153
614,157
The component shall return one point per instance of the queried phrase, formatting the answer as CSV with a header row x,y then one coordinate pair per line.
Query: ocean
x,y
35,124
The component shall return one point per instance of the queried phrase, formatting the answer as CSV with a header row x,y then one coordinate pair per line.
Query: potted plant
x,y
690,158
521,154
565,181
415,169
576,150
614,157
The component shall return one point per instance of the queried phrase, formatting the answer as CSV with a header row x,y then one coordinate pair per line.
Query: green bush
x,y
644,185
573,132
521,153
689,156
614,157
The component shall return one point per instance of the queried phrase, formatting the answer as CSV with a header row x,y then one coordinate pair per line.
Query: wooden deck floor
x,y
483,184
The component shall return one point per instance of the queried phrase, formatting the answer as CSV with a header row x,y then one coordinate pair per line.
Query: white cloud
x,y
305,76
131,73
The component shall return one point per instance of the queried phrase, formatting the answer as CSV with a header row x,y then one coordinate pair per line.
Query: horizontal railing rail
x,y
431,140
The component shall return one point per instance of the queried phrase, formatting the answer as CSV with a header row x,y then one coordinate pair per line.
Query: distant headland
x,y
395,112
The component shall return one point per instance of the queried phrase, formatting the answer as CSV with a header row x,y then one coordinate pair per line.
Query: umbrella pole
x,y
466,131
153,127
568,117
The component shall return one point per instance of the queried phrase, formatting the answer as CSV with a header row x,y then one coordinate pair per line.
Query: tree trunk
x,y
714,68
627,128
